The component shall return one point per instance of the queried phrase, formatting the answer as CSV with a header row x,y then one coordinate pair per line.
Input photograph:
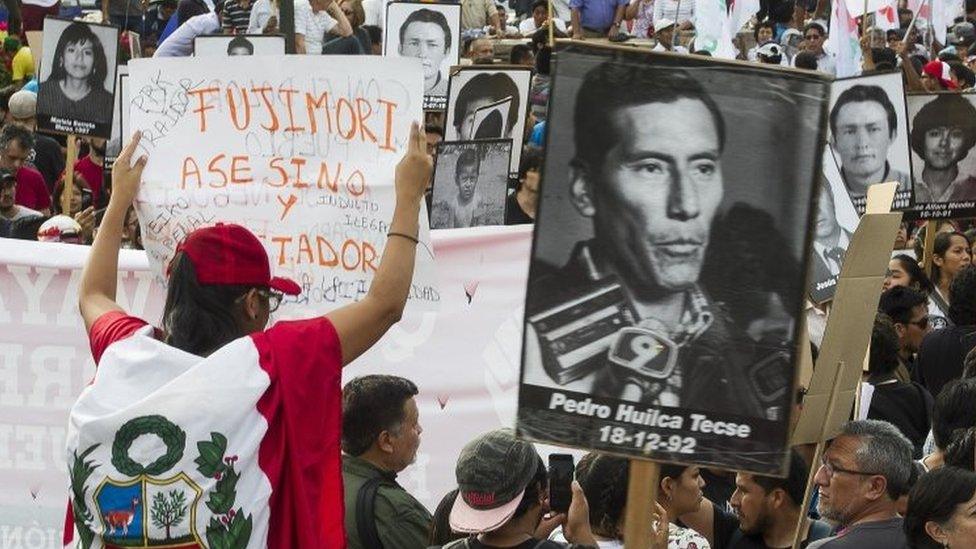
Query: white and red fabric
x,y
275,399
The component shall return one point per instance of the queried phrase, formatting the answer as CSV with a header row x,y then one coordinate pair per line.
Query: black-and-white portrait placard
x,y
430,32
470,183
77,85
942,138
836,222
868,137
222,45
119,125
668,267
475,88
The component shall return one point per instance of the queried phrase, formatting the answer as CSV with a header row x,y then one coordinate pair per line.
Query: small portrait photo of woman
x,y
78,77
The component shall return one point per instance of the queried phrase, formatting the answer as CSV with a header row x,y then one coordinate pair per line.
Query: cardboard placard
x,y
303,158
430,32
77,97
849,329
638,339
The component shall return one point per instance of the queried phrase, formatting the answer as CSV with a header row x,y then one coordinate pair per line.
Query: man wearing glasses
x,y
908,310
863,472
814,35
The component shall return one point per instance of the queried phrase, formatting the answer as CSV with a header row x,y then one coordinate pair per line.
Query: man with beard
x,y
863,126
652,187
466,208
864,471
943,132
425,34
765,512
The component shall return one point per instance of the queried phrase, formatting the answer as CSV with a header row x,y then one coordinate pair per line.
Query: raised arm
x,y
343,27
96,293
362,324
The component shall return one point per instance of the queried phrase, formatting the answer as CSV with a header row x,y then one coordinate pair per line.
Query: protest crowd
x,y
900,472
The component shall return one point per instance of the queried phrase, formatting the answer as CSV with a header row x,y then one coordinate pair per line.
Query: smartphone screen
x,y
561,471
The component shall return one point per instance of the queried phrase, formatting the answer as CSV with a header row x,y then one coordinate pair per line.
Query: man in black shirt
x,y
765,512
908,309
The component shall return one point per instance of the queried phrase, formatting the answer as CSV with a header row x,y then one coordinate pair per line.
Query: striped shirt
x,y
236,16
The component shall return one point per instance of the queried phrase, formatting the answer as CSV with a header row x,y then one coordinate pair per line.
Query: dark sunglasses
x,y
812,37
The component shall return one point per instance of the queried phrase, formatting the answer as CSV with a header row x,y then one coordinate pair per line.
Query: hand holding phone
x,y
561,473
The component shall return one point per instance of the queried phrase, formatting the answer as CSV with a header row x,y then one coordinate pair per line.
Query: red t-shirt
x,y
92,173
303,407
31,190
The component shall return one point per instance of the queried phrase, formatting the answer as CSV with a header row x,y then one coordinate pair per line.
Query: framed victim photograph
x,y
470,183
224,45
77,82
472,90
836,222
942,138
668,270
868,137
430,32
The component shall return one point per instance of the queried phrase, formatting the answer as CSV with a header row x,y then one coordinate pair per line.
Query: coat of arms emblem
x,y
153,505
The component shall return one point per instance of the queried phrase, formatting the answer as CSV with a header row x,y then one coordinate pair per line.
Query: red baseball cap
x,y
230,254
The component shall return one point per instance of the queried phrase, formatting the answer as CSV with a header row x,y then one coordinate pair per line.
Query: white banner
x,y
302,151
464,359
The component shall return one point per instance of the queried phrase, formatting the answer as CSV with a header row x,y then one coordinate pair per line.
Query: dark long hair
x,y
604,481
934,498
78,33
943,241
914,272
200,318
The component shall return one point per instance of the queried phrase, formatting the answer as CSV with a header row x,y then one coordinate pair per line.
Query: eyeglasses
x,y
274,298
812,37
831,470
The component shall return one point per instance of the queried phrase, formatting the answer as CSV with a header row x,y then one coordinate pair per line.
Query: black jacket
x,y
940,357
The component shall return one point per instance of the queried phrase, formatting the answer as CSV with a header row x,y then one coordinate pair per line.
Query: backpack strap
x,y
366,513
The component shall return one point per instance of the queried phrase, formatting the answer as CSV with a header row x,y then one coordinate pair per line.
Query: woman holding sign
x,y
75,88
246,419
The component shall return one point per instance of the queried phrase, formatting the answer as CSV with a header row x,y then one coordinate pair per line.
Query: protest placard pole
x,y
552,33
69,175
286,22
864,19
911,25
641,495
927,247
815,462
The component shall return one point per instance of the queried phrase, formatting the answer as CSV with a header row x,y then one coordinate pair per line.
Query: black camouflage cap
x,y
492,472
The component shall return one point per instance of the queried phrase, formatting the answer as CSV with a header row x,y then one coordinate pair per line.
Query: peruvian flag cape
x,y
236,450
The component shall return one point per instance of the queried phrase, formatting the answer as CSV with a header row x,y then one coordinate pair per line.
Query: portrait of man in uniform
x,y
647,172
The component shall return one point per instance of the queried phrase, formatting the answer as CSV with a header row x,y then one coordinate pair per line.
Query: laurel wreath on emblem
x,y
172,436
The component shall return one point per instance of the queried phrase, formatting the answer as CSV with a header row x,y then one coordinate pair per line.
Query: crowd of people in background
x,y
902,477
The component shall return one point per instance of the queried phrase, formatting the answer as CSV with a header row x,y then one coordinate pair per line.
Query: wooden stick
x,y
815,462
552,26
930,228
864,19
641,495
68,189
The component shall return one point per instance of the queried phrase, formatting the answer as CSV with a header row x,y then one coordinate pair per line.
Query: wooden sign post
x,y
641,494
68,188
931,227
815,461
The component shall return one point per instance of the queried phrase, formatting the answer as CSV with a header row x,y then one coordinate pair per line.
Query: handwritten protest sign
x,y
301,151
